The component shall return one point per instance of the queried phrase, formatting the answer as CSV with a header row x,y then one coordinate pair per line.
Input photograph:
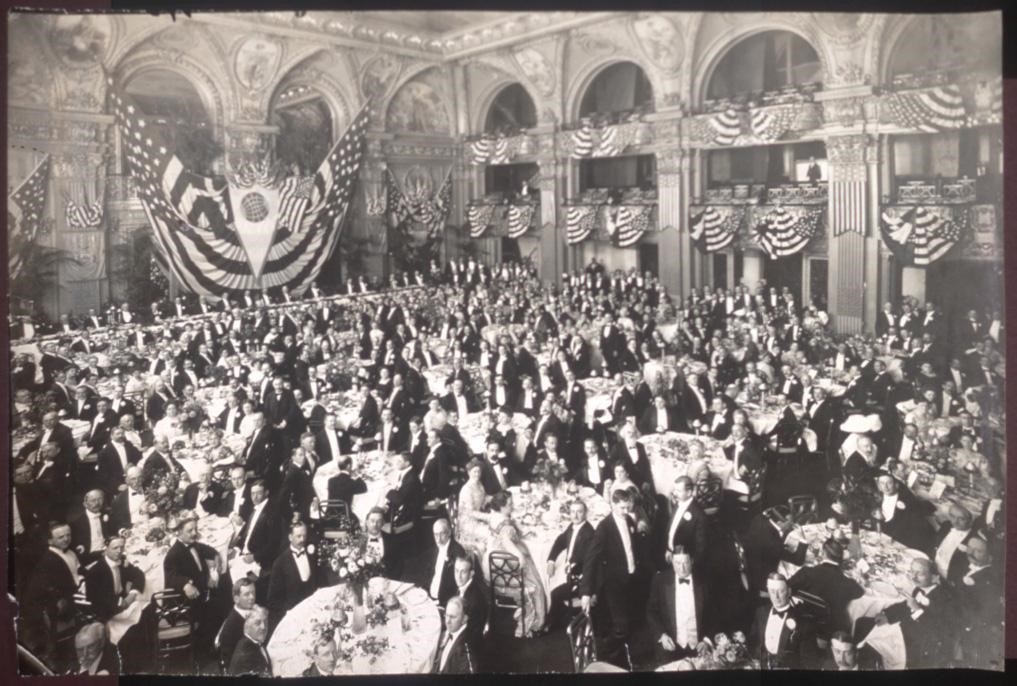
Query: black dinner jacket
x,y
460,658
285,589
81,532
343,487
213,503
792,645
405,502
447,586
249,659
605,564
179,566
926,637
584,539
111,472
648,423
99,587
324,450
959,560
229,633
691,533
264,543
660,610
827,581
639,471
476,611
228,498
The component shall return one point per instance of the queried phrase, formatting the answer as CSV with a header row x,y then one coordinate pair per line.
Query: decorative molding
x,y
847,157
844,111
660,40
418,150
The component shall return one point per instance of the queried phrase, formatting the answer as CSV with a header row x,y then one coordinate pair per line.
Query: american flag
x,y
397,206
295,194
84,216
191,218
714,228
25,207
925,234
782,232
431,212
479,218
626,224
519,219
579,222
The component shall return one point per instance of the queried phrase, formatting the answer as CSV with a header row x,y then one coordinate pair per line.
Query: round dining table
x,y
400,640
373,467
669,458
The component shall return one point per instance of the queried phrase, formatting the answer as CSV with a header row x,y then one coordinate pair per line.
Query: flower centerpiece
x,y
720,652
164,497
551,472
354,562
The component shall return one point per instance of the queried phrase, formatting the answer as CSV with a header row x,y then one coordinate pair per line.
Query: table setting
x,y
668,453
373,467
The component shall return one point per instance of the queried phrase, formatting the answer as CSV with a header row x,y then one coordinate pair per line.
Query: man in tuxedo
x,y
159,462
575,543
687,525
262,457
676,611
611,569
258,539
343,486
204,496
405,501
392,435
194,569
332,441
91,526
111,583
382,543
498,471
437,565
827,581
716,423
236,503
951,545
659,418
292,578
296,493
324,658
978,599
281,411
764,548
233,626
114,460
250,656
848,656
926,618
229,419
781,635
623,403
474,593
903,517
458,400
632,454
693,403
453,655
48,600
591,467
96,656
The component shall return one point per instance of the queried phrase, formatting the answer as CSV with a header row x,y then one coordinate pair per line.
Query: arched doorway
x,y
511,110
767,61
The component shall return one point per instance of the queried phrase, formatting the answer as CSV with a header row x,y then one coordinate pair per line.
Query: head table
x,y
403,643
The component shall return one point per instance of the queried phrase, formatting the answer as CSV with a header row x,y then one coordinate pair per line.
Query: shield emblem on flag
x,y
255,213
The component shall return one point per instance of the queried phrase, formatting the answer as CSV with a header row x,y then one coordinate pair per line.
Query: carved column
x,y
848,223
674,255
552,242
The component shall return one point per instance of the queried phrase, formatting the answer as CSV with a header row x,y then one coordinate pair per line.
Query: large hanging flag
x,y
936,109
432,211
24,215
194,219
786,230
922,235
715,226
579,223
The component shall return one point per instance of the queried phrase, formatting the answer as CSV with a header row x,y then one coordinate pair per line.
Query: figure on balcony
x,y
814,173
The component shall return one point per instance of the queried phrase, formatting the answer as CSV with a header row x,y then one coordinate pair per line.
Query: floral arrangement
x,y
550,472
164,497
721,652
191,416
352,560
339,627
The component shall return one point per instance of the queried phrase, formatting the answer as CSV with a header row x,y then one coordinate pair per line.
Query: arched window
x,y
175,107
619,89
512,110
305,127
764,62
935,43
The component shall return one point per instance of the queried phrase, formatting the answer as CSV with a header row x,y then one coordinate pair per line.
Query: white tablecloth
x,y
475,427
668,454
540,519
372,467
411,651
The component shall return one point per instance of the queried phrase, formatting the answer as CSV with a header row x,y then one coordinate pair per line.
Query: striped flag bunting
x,y
935,109
431,212
479,217
480,151
295,195
579,223
785,230
501,150
192,220
771,123
724,127
84,216
520,217
924,234
581,141
25,207
714,227
626,224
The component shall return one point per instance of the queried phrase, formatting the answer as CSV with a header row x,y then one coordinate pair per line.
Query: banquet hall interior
x,y
466,342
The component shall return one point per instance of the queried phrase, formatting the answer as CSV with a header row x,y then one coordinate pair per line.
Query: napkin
x,y
937,489
863,566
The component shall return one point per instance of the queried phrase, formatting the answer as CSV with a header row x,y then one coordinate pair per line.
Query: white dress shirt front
x,y
622,523
439,565
686,628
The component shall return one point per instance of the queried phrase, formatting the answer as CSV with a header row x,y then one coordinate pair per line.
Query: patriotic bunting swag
x,y
579,221
493,151
431,212
715,226
479,218
84,216
786,230
626,224
723,128
771,123
607,141
195,223
24,216
919,236
520,217
932,110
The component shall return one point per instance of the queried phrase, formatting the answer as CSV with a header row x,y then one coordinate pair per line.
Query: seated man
x,y
676,611
233,626
575,543
194,569
474,593
250,656
324,658
827,581
49,596
781,635
111,584
96,655
453,655
848,656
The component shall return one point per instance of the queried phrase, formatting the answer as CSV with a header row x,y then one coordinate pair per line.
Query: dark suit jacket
x,y
959,561
81,532
793,646
605,566
476,610
460,657
228,499
50,581
264,543
691,533
639,470
425,570
648,423
399,437
229,633
926,638
909,525
764,549
99,587
660,610
324,450
405,502
343,487
286,590
179,567
249,659
212,502
111,472
263,459
828,582
584,539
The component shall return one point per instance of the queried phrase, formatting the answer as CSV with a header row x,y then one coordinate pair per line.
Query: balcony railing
x,y
753,99
937,192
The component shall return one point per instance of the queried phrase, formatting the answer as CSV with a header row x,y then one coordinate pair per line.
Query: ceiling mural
x,y
379,75
661,41
79,41
537,68
256,62
419,106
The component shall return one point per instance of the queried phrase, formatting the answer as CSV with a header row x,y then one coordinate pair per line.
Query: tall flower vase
x,y
359,624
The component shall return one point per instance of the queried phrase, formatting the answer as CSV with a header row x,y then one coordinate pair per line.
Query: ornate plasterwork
x,y
848,156
844,111
660,40
538,69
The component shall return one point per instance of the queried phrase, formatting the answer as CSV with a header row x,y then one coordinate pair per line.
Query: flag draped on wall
x,y
607,141
501,150
785,230
431,212
479,218
626,224
520,217
936,109
25,208
579,222
84,216
192,219
921,235
771,123
724,127
714,227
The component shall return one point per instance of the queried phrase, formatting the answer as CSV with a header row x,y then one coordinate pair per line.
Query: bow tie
x,y
684,581
302,553
374,540
779,613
